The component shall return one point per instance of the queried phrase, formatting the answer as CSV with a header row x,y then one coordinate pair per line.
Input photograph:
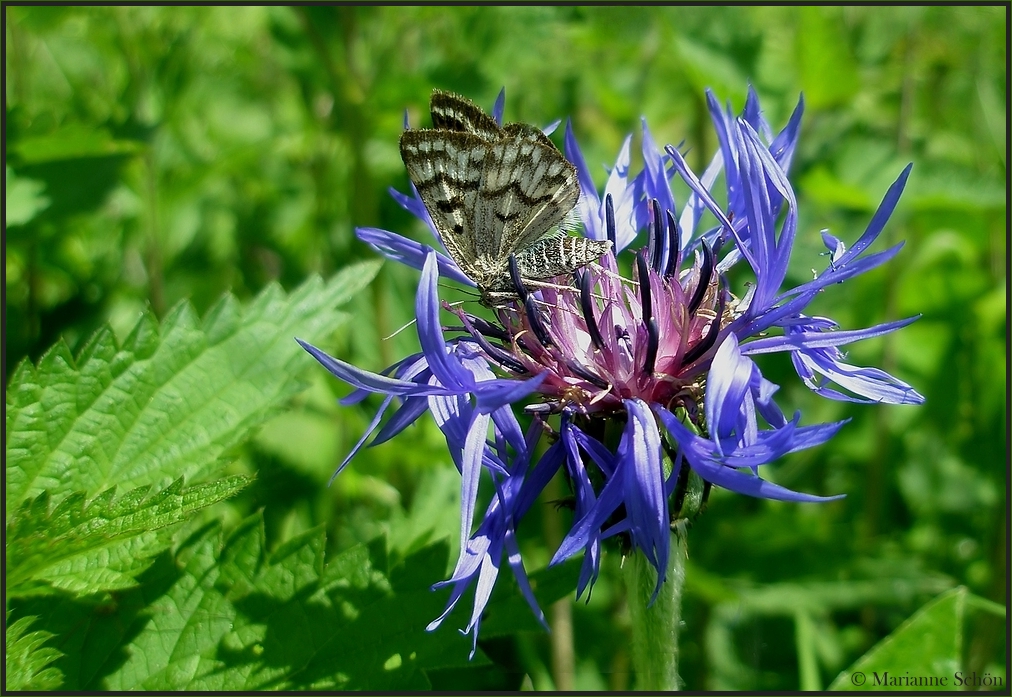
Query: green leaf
x,y
929,644
28,659
232,616
171,400
434,513
24,199
805,602
78,164
71,143
101,546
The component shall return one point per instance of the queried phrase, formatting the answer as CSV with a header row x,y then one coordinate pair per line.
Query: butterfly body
x,y
495,192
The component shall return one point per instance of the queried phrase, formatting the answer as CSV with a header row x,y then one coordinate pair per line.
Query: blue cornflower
x,y
662,358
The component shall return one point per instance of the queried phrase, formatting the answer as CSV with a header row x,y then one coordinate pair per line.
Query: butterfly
x,y
495,192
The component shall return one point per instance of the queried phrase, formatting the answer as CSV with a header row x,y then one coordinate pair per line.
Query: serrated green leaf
x,y
929,644
102,546
229,616
351,626
168,402
29,659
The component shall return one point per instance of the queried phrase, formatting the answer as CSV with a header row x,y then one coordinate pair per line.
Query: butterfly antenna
x,y
466,291
387,338
453,304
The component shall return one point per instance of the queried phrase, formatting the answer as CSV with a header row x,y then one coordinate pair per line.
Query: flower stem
x,y
655,627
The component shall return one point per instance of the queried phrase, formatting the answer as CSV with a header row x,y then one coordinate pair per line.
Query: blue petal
x,y
723,126
405,364
877,386
628,198
589,204
455,417
726,383
444,364
414,205
361,441
585,502
655,180
500,106
492,394
769,253
881,217
810,436
487,575
751,485
587,529
474,449
806,292
697,186
849,264
516,564
405,415
710,465
752,114
598,453
813,347
365,380
782,147
536,481
835,246
409,252
646,504
809,340
506,424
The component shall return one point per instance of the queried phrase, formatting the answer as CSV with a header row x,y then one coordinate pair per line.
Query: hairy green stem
x,y
655,627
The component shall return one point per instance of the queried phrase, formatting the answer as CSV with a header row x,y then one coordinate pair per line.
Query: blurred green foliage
x,y
156,154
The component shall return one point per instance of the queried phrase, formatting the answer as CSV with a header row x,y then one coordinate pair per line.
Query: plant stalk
x,y
655,627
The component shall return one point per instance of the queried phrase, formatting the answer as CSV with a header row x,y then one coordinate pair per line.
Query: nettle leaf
x,y
231,616
168,402
929,643
28,659
104,545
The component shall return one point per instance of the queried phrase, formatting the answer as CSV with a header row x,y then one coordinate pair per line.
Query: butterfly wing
x,y
452,112
527,188
446,168
495,191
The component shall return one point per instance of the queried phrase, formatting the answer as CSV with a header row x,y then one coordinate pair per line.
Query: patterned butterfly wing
x,y
495,192
451,112
527,189
446,168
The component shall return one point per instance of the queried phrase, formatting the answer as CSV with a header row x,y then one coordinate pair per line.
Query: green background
x,y
160,154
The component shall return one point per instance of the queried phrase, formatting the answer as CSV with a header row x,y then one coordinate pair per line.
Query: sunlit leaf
x,y
928,647
169,401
